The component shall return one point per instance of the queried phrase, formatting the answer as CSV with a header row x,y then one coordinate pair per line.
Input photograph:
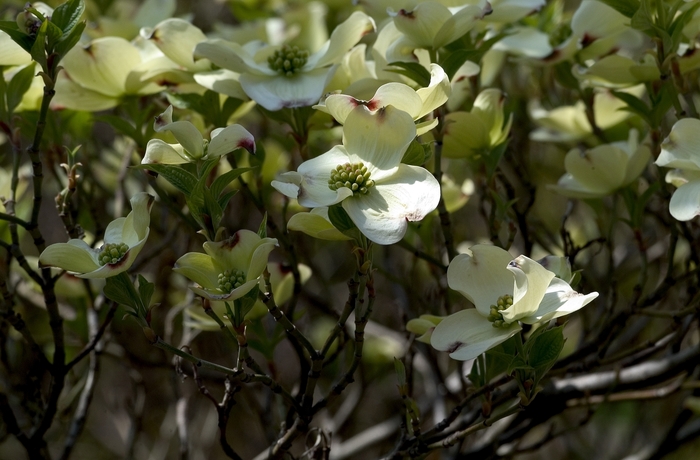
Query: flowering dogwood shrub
x,y
329,230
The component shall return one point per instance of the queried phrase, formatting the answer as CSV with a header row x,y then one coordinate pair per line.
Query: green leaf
x,y
545,350
625,7
69,41
146,290
67,15
676,28
340,219
563,75
416,153
231,104
412,70
119,124
400,370
181,179
38,50
115,290
662,103
221,182
247,302
191,101
456,59
499,359
212,209
19,37
225,198
634,104
492,159
262,230
19,85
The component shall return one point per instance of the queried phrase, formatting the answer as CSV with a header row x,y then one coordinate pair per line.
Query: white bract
x,y
379,193
681,150
417,103
191,146
505,291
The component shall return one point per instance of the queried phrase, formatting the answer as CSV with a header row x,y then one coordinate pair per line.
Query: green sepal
x,y
412,70
19,85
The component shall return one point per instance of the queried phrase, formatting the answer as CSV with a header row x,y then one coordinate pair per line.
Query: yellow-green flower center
x,y
353,176
288,60
230,280
112,253
495,316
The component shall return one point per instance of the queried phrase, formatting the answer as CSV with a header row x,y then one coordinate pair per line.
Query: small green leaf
x,y
499,359
146,290
340,219
634,104
400,370
19,85
67,15
262,230
19,37
115,290
38,50
120,124
416,153
412,70
213,210
625,7
563,75
221,182
456,59
545,350
642,19
69,41
181,179
191,101
247,302
225,198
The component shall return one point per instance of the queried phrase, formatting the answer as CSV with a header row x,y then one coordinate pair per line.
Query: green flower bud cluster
x,y
230,280
112,253
353,176
288,60
495,316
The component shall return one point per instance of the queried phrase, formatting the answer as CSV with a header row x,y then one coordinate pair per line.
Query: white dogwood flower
x,y
365,175
505,291
681,150
276,77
